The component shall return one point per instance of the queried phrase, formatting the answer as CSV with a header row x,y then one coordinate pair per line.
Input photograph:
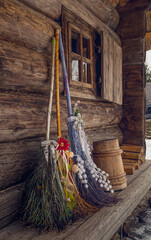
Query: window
x,y
80,56
78,38
94,60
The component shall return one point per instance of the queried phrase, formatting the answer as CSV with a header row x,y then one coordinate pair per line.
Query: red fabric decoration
x,y
63,144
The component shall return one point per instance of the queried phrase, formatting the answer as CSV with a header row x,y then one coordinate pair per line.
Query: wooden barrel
x,y
107,156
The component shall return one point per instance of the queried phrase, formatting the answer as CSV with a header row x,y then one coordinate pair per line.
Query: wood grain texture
x,y
101,225
24,116
53,9
106,222
88,17
101,10
131,26
133,51
17,160
9,205
133,76
23,69
112,70
24,26
117,74
130,7
148,41
132,32
148,21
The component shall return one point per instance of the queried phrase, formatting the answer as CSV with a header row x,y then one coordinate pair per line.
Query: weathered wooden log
x,y
24,115
129,168
17,19
9,205
18,159
130,7
91,19
23,68
25,26
131,26
104,133
133,51
133,76
53,9
101,10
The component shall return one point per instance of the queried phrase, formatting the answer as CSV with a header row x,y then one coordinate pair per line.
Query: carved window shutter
x,y
111,88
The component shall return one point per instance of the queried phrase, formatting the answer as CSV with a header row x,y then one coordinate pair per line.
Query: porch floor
x,y
99,226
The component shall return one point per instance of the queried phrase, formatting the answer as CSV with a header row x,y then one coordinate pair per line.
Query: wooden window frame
x,y
80,57
79,89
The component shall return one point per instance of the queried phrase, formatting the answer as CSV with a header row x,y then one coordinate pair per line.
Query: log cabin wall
x,y
25,55
132,30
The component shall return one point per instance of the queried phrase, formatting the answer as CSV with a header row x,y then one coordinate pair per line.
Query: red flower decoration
x,y
63,144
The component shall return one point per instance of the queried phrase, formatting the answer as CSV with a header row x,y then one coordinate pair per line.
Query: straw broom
x,y
76,204
90,180
45,205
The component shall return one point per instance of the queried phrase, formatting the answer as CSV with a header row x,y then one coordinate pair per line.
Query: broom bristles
x,y
45,205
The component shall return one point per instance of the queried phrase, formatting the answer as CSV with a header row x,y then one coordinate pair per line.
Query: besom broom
x,y
45,205
91,181
67,168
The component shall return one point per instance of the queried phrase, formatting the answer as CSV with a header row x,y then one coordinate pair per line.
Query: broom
x,y
45,205
91,181
66,166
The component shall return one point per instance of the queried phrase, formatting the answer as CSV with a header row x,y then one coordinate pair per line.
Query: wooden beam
x,y
101,225
106,222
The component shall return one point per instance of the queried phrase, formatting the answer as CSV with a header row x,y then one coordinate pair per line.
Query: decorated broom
x,y
91,181
66,166
45,204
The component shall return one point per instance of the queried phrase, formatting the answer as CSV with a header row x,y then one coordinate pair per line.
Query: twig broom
x,y
45,205
91,181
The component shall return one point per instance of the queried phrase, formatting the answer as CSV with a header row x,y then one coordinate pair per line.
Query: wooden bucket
x,y
107,156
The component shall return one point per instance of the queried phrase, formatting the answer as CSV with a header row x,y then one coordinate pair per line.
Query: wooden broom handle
x,y
51,88
57,85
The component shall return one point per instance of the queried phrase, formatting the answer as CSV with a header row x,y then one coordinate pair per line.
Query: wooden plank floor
x,y
99,226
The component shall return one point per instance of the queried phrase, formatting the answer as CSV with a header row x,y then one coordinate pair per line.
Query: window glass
x,y
86,72
75,41
75,70
86,47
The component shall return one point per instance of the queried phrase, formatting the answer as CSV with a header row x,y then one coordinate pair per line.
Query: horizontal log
x,y
129,168
134,76
18,159
133,51
9,205
25,26
132,25
23,69
53,9
131,7
133,139
132,94
24,116
131,155
106,133
88,17
101,10
132,148
50,8
136,163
